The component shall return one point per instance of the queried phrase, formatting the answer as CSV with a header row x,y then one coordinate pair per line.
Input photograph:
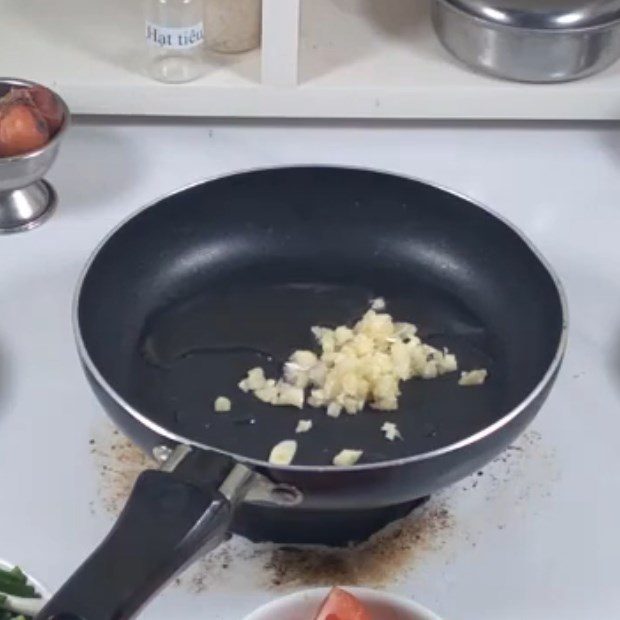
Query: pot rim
x,y
594,28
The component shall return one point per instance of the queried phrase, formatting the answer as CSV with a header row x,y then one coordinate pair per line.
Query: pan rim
x,y
453,447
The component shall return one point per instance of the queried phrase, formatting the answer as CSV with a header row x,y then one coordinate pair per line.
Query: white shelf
x,y
356,58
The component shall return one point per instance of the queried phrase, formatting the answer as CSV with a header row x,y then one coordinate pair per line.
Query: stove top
x,y
516,540
382,554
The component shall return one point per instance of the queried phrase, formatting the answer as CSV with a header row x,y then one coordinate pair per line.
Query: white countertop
x,y
536,538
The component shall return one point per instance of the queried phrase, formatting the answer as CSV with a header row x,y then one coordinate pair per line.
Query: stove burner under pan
x,y
312,527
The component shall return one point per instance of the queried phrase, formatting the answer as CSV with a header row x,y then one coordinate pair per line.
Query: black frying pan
x,y
188,294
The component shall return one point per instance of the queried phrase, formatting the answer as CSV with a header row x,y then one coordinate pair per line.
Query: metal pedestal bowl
x,y
26,199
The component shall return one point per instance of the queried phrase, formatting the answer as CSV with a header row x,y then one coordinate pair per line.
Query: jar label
x,y
181,38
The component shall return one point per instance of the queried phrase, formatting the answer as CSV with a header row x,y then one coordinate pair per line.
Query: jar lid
x,y
542,14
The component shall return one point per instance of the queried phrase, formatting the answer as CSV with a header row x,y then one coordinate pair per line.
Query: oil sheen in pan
x,y
200,348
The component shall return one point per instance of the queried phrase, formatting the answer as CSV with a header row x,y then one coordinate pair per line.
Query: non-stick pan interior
x,y
188,295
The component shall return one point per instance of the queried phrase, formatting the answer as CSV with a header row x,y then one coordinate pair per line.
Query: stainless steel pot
x,y
531,40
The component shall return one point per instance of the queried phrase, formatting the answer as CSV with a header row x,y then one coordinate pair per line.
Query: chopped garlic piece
x,y
268,393
318,332
325,338
346,458
254,381
317,374
352,405
334,410
303,426
297,369
222,404
473,377
304,359
405,330
296,376
343,334
447,363
430,371
283,453
377,304
391,431
357,366
289,395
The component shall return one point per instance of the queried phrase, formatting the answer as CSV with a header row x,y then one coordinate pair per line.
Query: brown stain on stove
x,y
384,559
119,462
387,557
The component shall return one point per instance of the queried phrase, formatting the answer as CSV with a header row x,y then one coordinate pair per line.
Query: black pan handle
x,y
166,522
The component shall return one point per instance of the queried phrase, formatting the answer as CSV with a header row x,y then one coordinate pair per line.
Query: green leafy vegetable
x,y
14,583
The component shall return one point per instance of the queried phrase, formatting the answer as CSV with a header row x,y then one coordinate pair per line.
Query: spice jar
x,y
233,25
175,38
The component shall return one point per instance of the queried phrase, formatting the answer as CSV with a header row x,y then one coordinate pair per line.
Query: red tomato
x,y
340,605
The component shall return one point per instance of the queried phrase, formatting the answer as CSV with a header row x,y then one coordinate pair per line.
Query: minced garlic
x,y
222,404
391,431
346,458
365,364
357,366
283,453
269,391
303,426
377,304
473,377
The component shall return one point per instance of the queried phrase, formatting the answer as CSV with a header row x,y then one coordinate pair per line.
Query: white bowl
x,y
305,604
35,583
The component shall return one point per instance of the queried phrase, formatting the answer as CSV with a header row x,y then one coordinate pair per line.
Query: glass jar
x,y
175,39
233,25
